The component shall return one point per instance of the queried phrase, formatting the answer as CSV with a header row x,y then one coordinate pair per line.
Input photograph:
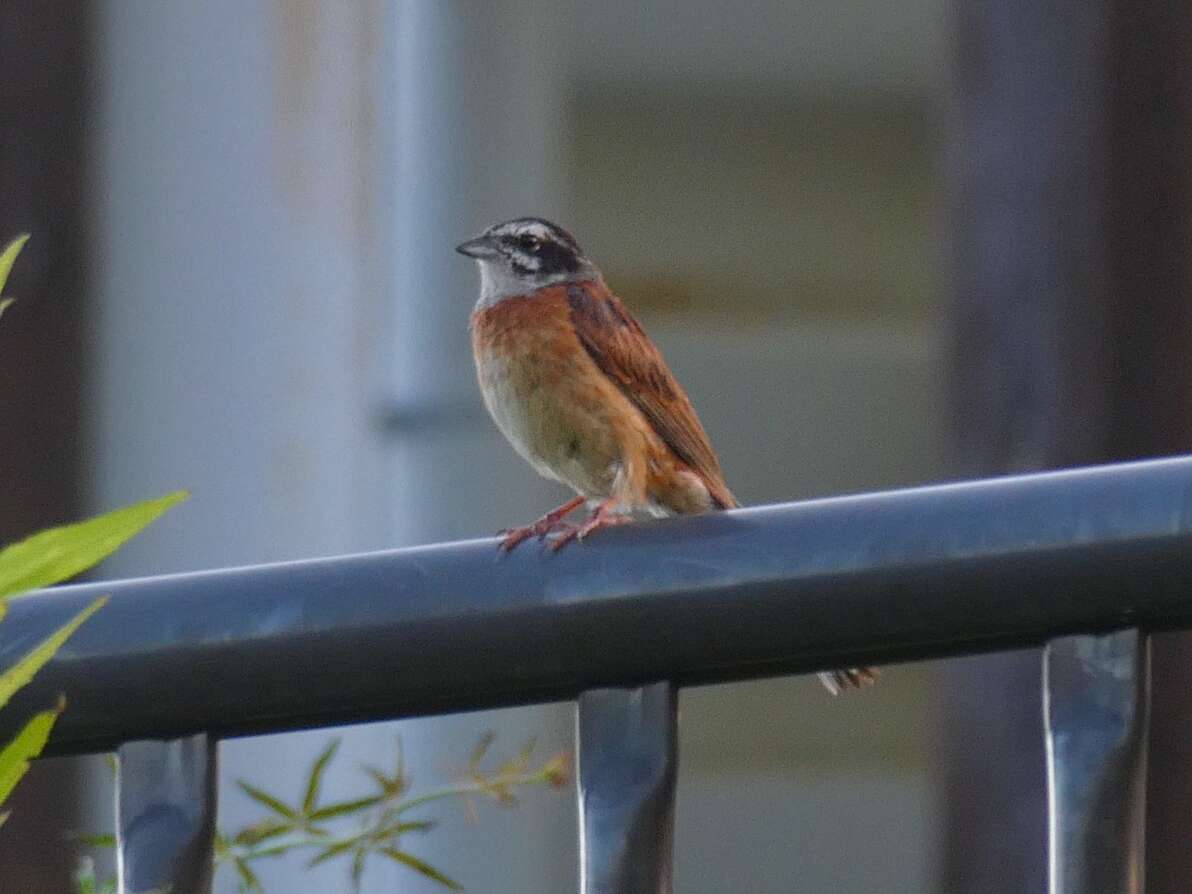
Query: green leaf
x,y
522,761
108,840
422,867
332,810
22,672
15,758
316,776
276,851
332,850
391,832
358,868
403,827
5,304
384,783
85,876
9,256
482,746
248,878
52,556
262,831
262,797
400,769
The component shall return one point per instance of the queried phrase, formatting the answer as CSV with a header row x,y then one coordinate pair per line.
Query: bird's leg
x,y
552,521
603,517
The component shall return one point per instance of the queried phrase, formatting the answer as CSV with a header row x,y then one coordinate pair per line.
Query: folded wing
x,y
624,353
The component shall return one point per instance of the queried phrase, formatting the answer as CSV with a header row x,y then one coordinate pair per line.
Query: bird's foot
x,y
540,529
603,517
837,681
550,523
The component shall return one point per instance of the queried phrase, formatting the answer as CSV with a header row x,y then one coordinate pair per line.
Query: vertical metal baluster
x,y
627,762
1096,692
165,815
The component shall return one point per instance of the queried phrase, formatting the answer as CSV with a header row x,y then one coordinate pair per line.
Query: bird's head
x,y
518,256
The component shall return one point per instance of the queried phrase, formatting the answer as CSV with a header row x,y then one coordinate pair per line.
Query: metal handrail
x,y
1087,561
904,575
908,574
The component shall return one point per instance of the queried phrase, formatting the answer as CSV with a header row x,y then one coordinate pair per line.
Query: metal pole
x,y
165,815
1096,700
627,762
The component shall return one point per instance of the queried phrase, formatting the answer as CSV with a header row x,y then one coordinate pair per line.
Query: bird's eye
x,y
528,242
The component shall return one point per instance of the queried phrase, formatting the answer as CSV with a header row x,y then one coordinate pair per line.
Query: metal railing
x,y
1086,562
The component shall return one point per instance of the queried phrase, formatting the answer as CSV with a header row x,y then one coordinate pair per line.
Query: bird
x,y
580,391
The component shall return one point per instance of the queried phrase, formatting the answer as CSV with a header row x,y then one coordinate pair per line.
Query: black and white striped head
x,y
519,256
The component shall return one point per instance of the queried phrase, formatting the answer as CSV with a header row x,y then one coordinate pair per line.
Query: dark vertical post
x,y
43,76
627,764
43,53
165,815
1096,697
1071,315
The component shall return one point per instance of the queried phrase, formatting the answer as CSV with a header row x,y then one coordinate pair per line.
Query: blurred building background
x,y
241,280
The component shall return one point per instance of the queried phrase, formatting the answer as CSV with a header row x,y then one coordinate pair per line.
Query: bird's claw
x,y
513,536
541,529
580,532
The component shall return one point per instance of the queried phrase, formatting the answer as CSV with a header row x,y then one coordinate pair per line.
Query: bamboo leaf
x,y
276,851
332,850
9,256
400,828
262,831
482,746
316,776
263,797
15,758
248,878
384,783
108,840
400,769
522,762
22,672
85,876
358,868
54,555
421,866
333,810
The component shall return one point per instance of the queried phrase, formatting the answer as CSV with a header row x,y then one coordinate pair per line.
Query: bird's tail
x,y
722,497
836,681
849,678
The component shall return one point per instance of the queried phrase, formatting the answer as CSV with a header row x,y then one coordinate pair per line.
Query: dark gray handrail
x,y
885,577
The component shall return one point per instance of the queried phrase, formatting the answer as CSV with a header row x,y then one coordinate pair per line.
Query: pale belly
x,y
564,436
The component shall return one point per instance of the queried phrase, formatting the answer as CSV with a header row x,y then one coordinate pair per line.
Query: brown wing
x,y
623,351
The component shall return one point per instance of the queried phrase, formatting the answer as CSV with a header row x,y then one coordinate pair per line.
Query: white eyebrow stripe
x,y
531,228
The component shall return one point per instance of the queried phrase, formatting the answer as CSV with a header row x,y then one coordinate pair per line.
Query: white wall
x,y
279,189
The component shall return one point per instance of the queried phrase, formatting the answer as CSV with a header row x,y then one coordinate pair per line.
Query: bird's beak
x,y
480,247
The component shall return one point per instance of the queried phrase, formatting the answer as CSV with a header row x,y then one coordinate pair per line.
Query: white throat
x,y
498,281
